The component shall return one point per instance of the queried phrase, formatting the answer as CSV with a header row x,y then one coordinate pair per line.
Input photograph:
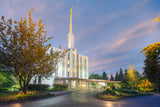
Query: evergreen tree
x,y
116,77
95,76
121,76
104,75
152,62
125,72
112,78
125,80
152,71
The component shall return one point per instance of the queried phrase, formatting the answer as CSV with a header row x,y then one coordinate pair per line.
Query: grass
x,y
113,95
6,97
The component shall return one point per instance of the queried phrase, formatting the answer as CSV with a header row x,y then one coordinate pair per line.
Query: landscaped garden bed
x,y
7,97
116,94
34,91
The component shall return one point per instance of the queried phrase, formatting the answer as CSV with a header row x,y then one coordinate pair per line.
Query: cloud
x,y
123,42
113,49
102,56
138,6
102,63
99,25
129,35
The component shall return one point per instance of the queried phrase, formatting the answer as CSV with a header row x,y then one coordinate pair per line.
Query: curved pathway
x,y
87,99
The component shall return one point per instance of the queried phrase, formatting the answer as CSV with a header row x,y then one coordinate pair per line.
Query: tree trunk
x,y
158,87
24,90
23,86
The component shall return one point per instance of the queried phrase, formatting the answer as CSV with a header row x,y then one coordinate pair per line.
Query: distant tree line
x,y
97,76
151,75
120,76
130,78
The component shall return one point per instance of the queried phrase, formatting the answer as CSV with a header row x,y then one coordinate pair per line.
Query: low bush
x,y
108,91
22,96
5,94
38,87
120,93
9,89
60,87
4,89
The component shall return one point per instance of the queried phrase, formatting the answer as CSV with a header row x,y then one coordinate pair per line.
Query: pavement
x,y
58,93
87,99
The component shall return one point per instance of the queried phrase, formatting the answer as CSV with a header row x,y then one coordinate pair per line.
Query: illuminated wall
x,y
72,65
82,66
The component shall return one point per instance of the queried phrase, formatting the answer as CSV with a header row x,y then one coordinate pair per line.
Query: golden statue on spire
x,y
70,28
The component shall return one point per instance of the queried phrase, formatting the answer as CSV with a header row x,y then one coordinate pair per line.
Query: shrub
x,y
124,90
58,87
103,87
38,87
4,89
111,86
21,96
108,91
6,79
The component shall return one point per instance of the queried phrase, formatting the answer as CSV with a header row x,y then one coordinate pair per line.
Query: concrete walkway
x,y
87,99
58,93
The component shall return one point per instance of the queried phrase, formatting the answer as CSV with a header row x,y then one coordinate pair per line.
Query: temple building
x,y
72,69
72,65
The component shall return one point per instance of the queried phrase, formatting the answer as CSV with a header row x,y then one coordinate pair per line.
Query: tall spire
x,y
70,25
70,34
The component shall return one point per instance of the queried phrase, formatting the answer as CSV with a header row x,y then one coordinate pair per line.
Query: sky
x,y
110,32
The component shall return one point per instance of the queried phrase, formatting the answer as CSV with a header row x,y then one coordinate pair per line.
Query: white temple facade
x,y
72,65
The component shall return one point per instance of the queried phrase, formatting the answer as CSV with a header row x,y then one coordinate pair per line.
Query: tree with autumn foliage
x,y
23,50
145,83
131,75
157,19
152,61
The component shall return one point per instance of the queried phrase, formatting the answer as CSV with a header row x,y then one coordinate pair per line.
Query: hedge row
x,y
61,87
16,97
38,87
4,90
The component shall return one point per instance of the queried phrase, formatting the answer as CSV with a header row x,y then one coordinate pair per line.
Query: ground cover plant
x,y
116,94
6,97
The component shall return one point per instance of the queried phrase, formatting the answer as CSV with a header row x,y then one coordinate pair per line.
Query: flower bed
x,y
112,95
20,96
